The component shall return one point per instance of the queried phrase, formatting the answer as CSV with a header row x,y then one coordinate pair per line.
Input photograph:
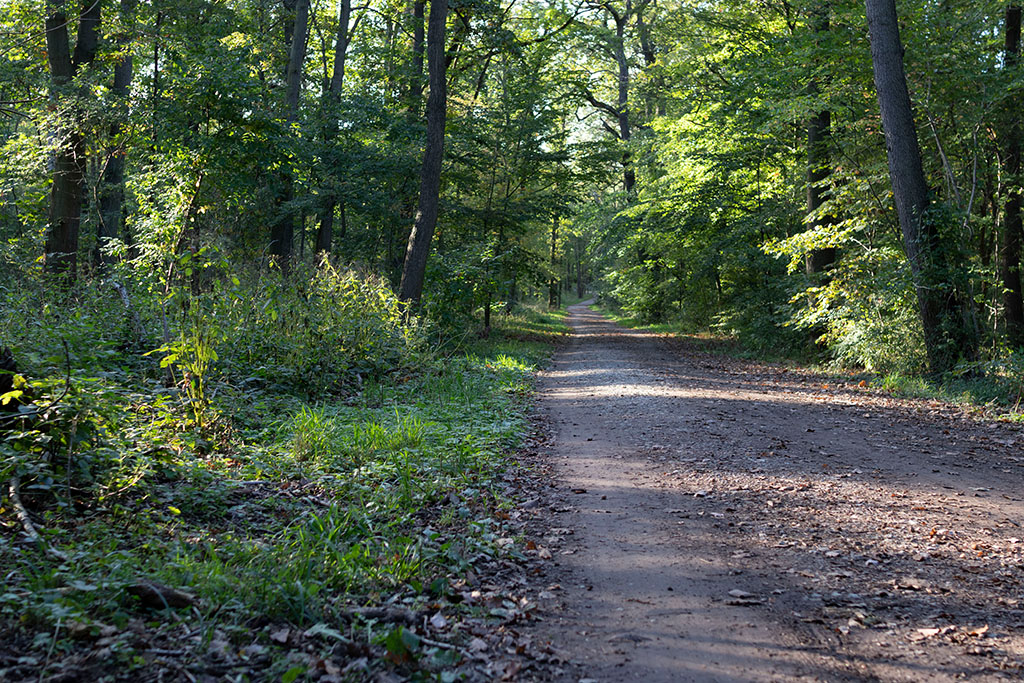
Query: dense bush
x,y
108,377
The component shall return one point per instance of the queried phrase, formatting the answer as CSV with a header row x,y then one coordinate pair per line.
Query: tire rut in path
x,y
699,543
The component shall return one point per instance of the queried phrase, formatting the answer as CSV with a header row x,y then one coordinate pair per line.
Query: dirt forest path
x,y
723,520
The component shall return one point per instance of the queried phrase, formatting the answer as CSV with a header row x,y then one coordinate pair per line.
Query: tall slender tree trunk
x,y
416,73
628,174
411,288
651,60
69,165
553,282
325,231
282,233
819,129
579,271
1013,304
111,224
818,171
945,333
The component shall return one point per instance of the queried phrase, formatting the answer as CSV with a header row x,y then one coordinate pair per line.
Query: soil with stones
x,y
724,520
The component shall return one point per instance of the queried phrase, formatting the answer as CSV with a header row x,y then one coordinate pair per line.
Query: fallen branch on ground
x,y
26,522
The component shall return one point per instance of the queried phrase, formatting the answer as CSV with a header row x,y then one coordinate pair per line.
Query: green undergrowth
x,y
275,505
996,387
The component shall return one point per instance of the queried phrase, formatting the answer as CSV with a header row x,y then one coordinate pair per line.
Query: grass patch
x,y
287,515
997,393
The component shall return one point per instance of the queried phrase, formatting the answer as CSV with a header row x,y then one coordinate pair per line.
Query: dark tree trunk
x,y
553,282
324,234
155,95
819,128
818,171
579,268
1013,305
430,176
282,233
945,334
325,231
111,224
416,74
628,174
66,192
650,60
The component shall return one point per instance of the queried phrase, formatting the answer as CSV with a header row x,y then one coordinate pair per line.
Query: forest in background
x,y
720,164
310,241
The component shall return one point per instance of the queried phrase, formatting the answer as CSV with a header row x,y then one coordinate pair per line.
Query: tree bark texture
x,y
553,282
1013,304
411,288
283,231
945,335
416,74
818,171
111,225
819,129
628,174
325,232
651,60
69,164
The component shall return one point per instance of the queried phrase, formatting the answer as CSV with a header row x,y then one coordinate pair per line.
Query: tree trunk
x,y
819,128
155,95
818,171
579,268
628,174
282,233
650,60
945,334
111,224
553,282
430,176
1013,305
65,212
416,73
325,231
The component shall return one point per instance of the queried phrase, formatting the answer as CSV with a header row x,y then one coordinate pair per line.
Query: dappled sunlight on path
x,y
743,522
